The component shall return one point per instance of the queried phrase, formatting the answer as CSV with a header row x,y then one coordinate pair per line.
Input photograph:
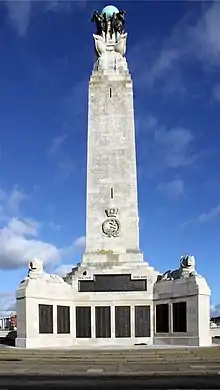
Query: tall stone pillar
x,y
112,221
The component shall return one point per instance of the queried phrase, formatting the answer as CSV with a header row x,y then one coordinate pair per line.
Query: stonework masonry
x,y
111,163
113,297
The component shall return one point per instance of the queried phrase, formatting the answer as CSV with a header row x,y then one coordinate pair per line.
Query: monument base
x,y
111,305
182,312
181,341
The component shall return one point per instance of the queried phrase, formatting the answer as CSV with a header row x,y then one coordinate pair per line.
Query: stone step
x,y
110,360
112,351
129,354
114,358
82,369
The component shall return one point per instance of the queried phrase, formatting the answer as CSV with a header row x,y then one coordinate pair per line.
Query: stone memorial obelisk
x,y
112,221
113,297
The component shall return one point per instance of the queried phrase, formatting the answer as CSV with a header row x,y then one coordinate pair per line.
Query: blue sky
x,y
47,56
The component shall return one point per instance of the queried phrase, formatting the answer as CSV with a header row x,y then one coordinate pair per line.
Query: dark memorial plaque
x,y
122,321
142,321
162,318
63,319
110,283
103,321
179,317
83,321
45,318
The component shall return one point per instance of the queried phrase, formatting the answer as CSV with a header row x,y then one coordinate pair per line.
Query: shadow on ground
x,y
107,382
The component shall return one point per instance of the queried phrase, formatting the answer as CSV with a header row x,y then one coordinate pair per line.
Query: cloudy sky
x,y
46,59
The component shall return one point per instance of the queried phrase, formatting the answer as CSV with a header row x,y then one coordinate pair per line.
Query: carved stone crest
x,y
111,226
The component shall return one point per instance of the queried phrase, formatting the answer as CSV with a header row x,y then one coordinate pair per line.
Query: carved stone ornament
x,y
120,46
36,271
111,227
110,33
186,270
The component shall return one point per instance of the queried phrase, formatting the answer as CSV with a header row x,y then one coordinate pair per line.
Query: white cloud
x,y
23,227
173,189
20,12
19,244
10,202
64,161
205,35
209,215
56,143
166,147
63,269
16,196
205,217
54,226
77,246
80,242
58,5
7,303
164,63
192,39
176,143
20,236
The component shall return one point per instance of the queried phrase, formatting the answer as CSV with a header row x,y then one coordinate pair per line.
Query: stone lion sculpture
x,y
36,266
186,269
36,271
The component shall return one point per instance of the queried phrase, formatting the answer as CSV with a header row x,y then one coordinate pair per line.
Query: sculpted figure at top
x,y
110,31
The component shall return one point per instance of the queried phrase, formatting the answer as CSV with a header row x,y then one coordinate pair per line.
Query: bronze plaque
x,y
111,283
103,321
83,321
45,318
63,319
122,321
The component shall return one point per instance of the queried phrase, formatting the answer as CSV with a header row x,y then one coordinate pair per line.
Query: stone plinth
x,y
31,294
195,293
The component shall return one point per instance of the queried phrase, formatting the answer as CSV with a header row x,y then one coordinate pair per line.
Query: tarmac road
x,y
119,383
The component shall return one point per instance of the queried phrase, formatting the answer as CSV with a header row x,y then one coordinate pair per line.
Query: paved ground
x,y
139,368
140,361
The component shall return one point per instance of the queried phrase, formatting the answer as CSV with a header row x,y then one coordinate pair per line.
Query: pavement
x,y
137,361
140,367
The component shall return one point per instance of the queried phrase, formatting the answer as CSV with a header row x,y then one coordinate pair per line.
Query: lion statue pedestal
x,y
182,307
38,298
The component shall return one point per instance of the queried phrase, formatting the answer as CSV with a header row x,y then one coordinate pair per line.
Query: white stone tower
x,y
112,222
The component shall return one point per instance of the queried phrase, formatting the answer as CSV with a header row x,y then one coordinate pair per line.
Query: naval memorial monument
x,y
113,297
